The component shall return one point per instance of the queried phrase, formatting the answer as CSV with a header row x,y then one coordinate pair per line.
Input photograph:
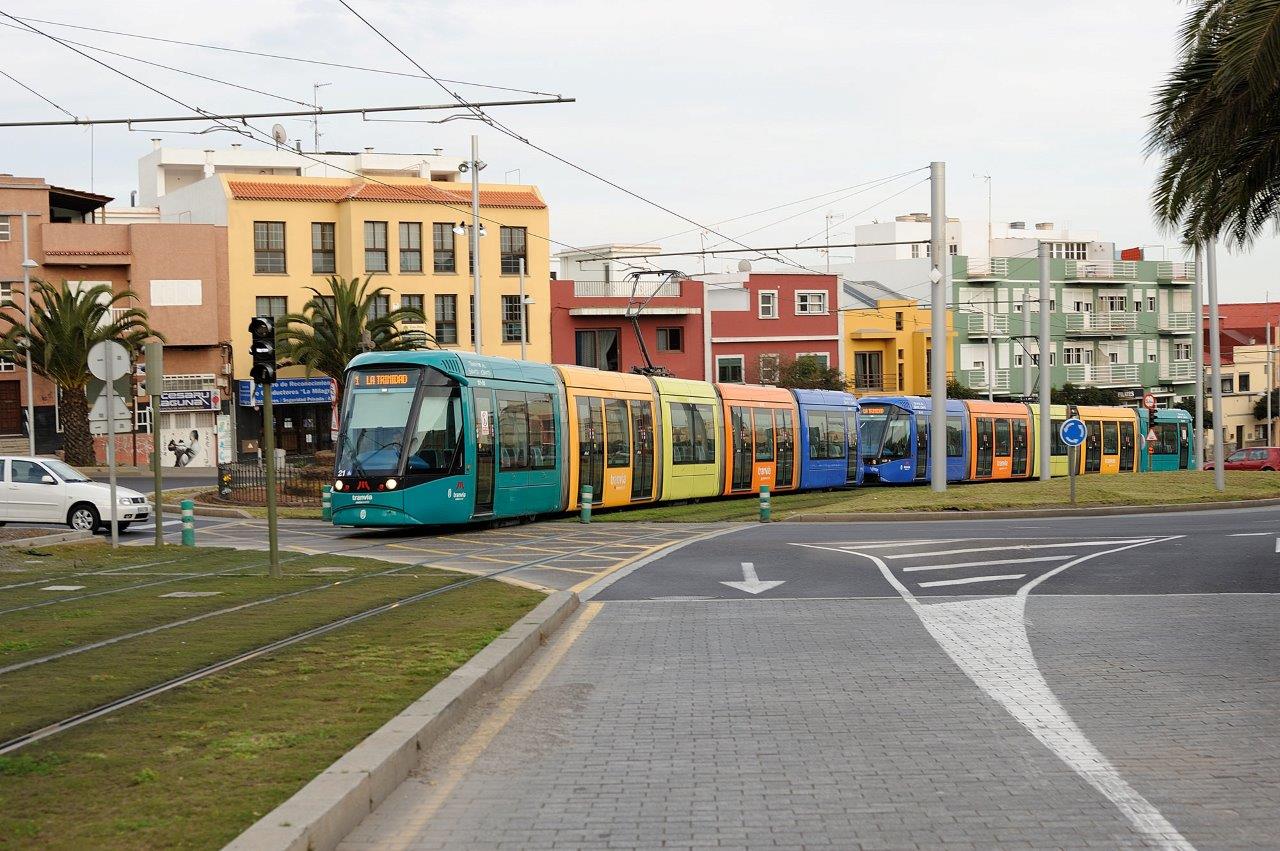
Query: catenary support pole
x,y
477,323
1046,378
1022,342
269,447
155,383
1267,374
938,343
524,315
1197,307
110,393
1215,365
26,310
990,322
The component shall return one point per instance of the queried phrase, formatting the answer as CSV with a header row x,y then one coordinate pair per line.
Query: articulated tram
x,y
445,438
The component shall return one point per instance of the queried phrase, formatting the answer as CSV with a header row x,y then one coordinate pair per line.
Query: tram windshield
x,y
381,426
884,432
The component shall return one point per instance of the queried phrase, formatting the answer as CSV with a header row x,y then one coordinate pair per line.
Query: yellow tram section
x,y
1111,442
611,430
761,434
691,425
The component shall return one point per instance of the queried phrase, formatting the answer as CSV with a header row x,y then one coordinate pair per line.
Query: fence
x,y
246,484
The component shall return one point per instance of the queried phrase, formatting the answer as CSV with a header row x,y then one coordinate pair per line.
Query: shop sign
x,y
287,391
189,400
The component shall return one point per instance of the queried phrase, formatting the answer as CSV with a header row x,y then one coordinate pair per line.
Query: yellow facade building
x,y
887,347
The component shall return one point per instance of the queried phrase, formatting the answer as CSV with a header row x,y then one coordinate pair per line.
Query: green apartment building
x,y
1121,324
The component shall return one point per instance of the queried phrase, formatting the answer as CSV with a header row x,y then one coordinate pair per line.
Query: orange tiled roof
x,y
260,190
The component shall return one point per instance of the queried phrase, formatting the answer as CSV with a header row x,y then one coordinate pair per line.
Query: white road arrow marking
x,y
751,582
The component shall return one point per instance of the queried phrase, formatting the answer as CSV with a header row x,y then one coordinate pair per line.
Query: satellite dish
x,y
744,265
280,134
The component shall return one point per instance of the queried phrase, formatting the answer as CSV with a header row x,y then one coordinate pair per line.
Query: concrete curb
x,y
48,540
1014,514
210,511
332,805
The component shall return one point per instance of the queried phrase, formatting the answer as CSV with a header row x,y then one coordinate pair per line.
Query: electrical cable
x,y
37,94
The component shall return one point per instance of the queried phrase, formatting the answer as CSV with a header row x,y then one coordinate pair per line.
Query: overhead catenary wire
x,y
279,56
18,82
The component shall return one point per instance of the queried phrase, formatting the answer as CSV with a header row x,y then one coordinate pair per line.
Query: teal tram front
x,y
438,438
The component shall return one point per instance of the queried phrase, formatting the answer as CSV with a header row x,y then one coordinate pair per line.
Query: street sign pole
x,y
1073,433
155,383
110,390
269,445
1071,472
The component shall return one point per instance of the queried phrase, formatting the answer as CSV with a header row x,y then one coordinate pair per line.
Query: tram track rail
x,y
31,737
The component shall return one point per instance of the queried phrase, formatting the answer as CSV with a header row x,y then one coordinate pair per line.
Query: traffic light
x,y
263,349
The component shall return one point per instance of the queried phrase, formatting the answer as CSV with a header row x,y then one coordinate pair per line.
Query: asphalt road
x,y
1091,682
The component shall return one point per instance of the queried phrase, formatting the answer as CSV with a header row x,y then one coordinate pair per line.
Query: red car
x,y
1257,458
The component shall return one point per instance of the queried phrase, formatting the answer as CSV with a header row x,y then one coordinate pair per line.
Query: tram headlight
x,y
337,485
391,484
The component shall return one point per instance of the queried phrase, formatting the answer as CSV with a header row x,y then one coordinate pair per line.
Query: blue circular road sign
x,y
1072,431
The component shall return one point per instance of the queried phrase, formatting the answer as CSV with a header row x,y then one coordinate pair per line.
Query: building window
x,y
953,249
811,302
671,339
1068,250
6,229
444,251
375,246
597,348
868,371
729,369
413,302
513,250
768,300
324,259
1113,357
7,365
511,320
379,306
411,246
6,294
446,319
1076,356
1243,382
1017,360
821,357
1151,304
142,416
897,320
1182,351
915,251
1114,303
770,367
1228,385
268,248
274,306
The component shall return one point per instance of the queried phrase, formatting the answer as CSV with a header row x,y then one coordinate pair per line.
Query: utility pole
x,y
155,384
474,167
315,121
269,447
1046,380
940,276
1215,361
27,264
1197,299
524,315
989,321
1268,369
1026,332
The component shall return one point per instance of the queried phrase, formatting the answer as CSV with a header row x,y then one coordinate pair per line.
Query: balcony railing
x,y
1177,322
1103,374
1101,323
987,325
978,379
987,267
1104,269
878,384
1182,273
1178,371
623,289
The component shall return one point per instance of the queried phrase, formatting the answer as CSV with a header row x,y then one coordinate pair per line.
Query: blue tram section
x,y
894,439
1175,445
828,439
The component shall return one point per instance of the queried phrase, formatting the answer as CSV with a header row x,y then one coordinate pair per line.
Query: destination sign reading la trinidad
x,y
382,379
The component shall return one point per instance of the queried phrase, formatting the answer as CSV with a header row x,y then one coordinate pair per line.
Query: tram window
x,y
764,434
618,433
1110,438
1167,438
437,436
1003,446
542,432
513,431
692,434
681,434
835,436
871,429
897,436
374,426
955,437
1057,447
817,434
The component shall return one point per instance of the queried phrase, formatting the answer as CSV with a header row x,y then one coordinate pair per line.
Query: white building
x,y
605,268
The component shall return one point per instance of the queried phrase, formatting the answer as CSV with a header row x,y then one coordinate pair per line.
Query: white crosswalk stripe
x,y
961,564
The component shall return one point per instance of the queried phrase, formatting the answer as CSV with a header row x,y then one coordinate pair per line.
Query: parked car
x,y
1255,458
45,490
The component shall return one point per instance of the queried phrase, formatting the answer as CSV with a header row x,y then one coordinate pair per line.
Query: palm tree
x,y
65,325
336,326
1217,124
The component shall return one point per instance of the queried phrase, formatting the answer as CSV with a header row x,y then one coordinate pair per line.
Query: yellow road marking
x,y
483,736
565,569
422,549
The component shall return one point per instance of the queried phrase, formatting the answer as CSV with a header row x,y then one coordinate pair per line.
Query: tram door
x,y
642,450
1184,448
986,448
1019,467
854,457
1093,447
1126,447
922,447
485,425
785,476
740,423
591,446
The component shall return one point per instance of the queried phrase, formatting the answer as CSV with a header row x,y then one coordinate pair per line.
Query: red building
x,y
732,327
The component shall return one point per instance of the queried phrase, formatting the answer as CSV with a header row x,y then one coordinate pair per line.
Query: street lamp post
x,y
474,166
27,265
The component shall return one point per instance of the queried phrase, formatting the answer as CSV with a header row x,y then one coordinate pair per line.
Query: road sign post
x,y
108,362
155,381
1073,432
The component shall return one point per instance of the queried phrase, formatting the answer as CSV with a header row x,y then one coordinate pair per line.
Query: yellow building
x,y
887,345
285,234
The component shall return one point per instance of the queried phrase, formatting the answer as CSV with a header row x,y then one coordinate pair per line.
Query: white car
x,y
45,490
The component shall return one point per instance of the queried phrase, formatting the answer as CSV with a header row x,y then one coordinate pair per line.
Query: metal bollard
x,y
188,523
765,511
584,504
326,502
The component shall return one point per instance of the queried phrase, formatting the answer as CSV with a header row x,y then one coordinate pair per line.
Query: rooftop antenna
x,y
280,134
315,121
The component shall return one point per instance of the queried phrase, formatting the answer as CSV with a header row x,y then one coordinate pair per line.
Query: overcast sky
x,y
711,109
